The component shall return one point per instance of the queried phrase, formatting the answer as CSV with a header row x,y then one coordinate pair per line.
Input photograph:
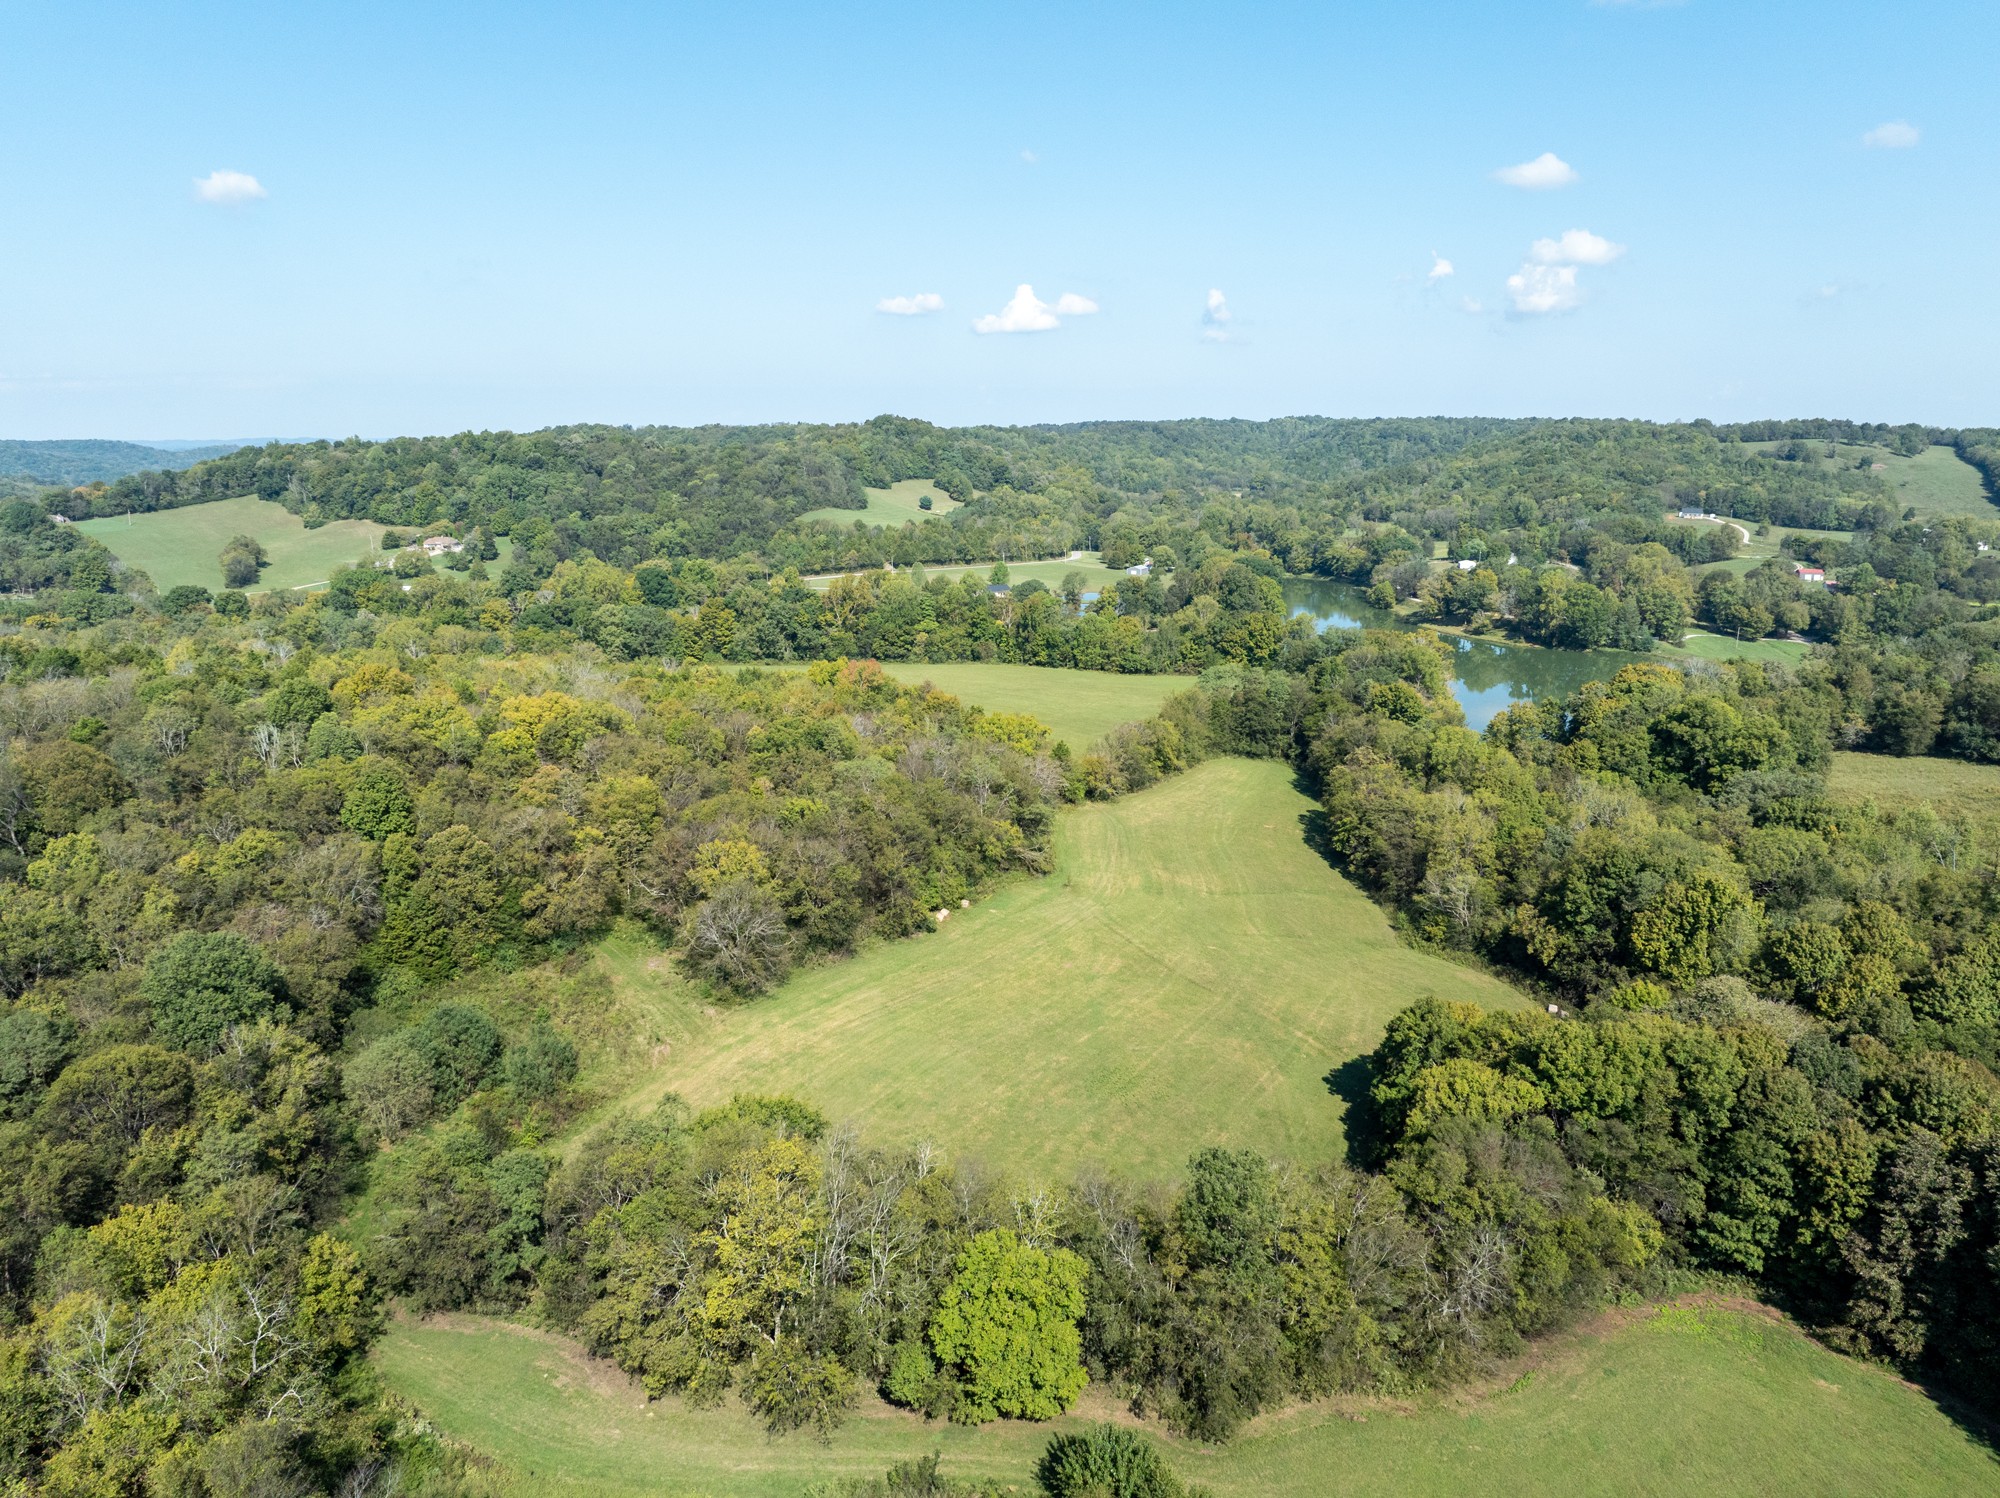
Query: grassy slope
x,y
1188,975
183,546
1095,573
1713,647
1949,784
892,506
1081,706
1937,481
1674,1402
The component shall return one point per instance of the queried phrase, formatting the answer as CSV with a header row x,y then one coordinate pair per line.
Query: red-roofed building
x,y
1810,574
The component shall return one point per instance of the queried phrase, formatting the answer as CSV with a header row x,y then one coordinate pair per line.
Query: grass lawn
x,y
1081,706
1722,648
184,546
894,505
1675,1401
1189,974
1949,784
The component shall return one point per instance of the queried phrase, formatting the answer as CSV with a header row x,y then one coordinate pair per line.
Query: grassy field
x,y
1948,784
1937,481
1677,1401
1722,648
1189,974
1758,549
183,546
1052,573
1081,706
895,505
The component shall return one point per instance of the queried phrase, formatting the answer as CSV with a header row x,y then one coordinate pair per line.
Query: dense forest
x,y
293,888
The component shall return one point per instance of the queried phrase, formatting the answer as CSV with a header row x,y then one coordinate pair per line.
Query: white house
x,y
1693,512
1142,569
1466,564
1810,574
437,546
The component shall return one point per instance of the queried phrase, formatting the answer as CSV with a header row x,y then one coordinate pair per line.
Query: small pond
x,y
1487,678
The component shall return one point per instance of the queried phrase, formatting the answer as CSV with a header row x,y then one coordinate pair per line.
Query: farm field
x,y
1051,573
895,505
1949,784
1758,549
1189,974
1676,1401
1081,706
183,546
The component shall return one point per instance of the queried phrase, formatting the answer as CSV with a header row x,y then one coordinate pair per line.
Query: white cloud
x,y
1025,314
1030,157
1069,304
1544,172
1576,247
1471,304
911,306
1440,268
1538,289
227,187
1892,135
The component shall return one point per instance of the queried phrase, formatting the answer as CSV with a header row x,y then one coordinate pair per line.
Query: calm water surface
x,y
1486,678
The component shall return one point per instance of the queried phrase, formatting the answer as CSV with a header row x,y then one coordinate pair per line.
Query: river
x,y
1487,678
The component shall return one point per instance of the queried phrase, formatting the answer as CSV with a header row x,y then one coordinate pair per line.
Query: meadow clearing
x,y
1051,572
1668,1401
1080,706
1937,481
1947,784
184,546
895,505
1189,974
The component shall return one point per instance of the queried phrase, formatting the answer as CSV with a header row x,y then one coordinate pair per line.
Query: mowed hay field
x,y
1947,784
1080,706
1937,481
185,546
1050,573
1677,1401
895,505
1188,975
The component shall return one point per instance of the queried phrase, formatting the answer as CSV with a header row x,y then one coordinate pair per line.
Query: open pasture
x,y
1050,573
1189,974
895,505
1081,706
180,546
1950,785
1937,481
1677,1401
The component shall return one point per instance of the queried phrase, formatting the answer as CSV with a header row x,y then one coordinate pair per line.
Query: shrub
x,y
1108,1463
541,1066
793,1387
462,1045
390,1085
1006,1329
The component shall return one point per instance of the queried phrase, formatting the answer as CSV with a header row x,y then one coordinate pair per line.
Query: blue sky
x,y
513,215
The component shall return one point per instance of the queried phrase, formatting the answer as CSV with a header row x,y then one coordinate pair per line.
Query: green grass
x,y
1081,706
1189,974
1937,481
1678,1401
184,546
1722,648
1095,573
895,505
1948,784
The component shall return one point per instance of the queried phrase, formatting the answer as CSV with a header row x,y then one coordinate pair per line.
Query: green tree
x,y
201,983
1005,1327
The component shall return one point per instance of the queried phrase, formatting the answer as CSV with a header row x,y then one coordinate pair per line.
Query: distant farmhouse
x,y
1810,574
437,546
1142,569
1693,512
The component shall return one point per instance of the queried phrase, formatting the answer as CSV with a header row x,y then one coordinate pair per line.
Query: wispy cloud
x,y
1440,268
1575,247
1539,289
1892,135
1069,304
228,188
911,306
1546,171
1030,157
1215,317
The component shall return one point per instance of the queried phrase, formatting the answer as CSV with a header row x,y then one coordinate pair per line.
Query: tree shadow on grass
x,y
1351,1082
